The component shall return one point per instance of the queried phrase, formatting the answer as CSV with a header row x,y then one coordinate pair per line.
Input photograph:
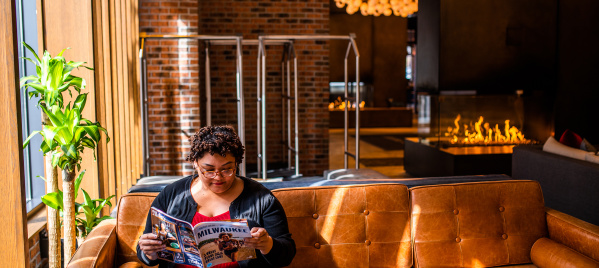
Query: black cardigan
x,y
255,203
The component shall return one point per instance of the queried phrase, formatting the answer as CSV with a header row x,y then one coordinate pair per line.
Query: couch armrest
x,y
574,233
98,249
547,253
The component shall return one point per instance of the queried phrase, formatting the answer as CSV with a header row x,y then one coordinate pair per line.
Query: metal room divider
x,y
235,40
261,94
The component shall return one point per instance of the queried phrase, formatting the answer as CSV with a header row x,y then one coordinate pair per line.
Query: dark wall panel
x,y
342,24
427,55
389,64
578,87
497,46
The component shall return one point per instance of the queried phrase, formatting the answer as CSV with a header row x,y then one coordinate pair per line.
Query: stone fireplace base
x,y
424,160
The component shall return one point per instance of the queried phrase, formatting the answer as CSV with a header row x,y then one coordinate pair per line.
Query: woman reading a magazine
x,y
217,193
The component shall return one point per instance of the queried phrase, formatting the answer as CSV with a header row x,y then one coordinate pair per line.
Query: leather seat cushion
x,y
131,221
476,224
349,226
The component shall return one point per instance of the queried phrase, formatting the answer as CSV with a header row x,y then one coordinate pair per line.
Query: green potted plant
x,y
65,135
87,212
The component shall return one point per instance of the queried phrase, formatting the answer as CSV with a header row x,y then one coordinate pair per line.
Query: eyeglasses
x,y
223,173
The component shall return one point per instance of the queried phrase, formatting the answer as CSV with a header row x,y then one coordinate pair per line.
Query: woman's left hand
x,y
259,240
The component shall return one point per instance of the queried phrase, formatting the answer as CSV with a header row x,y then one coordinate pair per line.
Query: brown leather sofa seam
x,y
471,183
312,188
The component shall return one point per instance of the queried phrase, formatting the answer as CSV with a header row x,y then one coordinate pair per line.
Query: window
x,y
30,114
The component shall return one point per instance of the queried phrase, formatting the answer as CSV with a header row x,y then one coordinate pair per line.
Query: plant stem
x,y
68,190
51,174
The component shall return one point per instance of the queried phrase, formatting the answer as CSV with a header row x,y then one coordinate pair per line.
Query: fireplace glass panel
x,y
473,120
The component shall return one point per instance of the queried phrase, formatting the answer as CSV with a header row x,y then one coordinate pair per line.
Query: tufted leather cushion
x,y
349,226
131,220
476,224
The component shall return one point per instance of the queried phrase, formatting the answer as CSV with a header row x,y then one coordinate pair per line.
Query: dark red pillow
x,y
571,139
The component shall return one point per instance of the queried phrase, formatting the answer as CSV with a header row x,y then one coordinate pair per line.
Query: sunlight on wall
x,y
183,59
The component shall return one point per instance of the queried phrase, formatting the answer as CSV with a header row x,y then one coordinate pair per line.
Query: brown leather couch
x,y
386,225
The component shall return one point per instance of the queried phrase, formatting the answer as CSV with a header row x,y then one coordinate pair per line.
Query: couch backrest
x,y
476,224
131,217
349,226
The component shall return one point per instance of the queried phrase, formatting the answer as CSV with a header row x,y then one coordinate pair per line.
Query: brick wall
x,y
173,80
231,17
35,257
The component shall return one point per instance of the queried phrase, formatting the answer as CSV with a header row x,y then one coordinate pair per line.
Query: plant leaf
x,y
45,67
72,65
55,158
93,132
55,120
40,88
77,82
24,80
87,200
57,112
64,163
89,214
62,135
30,60
78,182
26,142
60,54
89,143
49,133
44,147
31,49
79,103
53,200
105,132
103,218
70,151
78,131
104,202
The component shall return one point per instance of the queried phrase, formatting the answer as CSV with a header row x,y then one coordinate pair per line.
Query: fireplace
x,y
469,134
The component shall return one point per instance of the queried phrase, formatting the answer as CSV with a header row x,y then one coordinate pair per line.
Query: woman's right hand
x,y
149,244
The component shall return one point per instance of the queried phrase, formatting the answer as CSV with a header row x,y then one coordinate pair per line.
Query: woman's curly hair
x,y
220,140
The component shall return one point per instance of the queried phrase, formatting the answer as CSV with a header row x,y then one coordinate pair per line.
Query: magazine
x,y
204,245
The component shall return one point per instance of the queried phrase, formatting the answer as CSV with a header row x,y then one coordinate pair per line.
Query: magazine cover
x,y
204,245
177,235
221,242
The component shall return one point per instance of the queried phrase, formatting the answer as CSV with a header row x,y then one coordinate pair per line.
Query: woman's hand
x,y
149,244
259,240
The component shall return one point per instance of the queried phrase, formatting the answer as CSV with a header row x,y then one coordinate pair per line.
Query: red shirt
x,y
201,218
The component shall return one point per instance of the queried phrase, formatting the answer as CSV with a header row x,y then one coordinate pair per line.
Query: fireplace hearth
x,y
423,159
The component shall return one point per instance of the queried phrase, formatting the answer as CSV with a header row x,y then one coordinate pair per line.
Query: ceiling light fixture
x,y
401,8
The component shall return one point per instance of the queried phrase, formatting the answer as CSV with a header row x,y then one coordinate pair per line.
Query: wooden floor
x,y
381,149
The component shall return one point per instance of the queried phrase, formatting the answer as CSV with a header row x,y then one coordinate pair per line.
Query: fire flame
x,y
340,104
482,133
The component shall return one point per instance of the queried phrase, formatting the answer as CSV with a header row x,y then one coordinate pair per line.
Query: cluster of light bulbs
x,y
402,8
